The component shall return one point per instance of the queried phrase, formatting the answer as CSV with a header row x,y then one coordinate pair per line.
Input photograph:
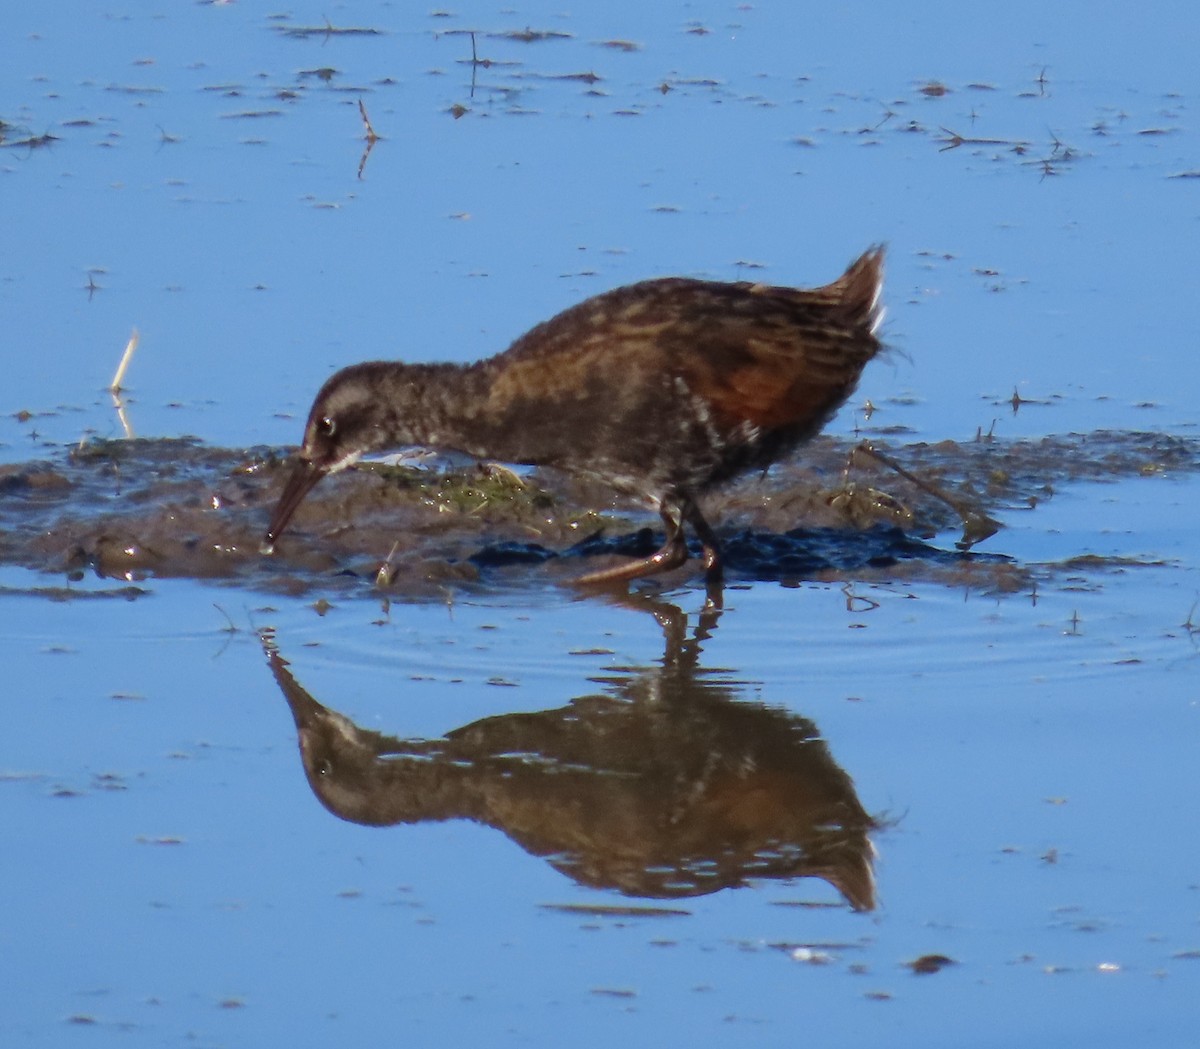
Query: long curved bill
x,y
304,475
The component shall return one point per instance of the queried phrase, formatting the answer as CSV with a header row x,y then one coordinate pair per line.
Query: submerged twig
x,y
387,571
115,387
856,602
122,418
976,525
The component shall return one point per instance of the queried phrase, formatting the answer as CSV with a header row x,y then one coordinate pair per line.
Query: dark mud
x,y
134,509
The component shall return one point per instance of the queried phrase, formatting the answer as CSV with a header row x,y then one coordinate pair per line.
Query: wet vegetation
x,y
128,509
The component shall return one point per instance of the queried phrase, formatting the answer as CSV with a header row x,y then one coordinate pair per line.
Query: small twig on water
x,y
474,63
953,140
1189,624
371,136
116,387
888,114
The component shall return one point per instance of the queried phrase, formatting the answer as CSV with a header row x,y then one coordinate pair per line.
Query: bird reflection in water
x,y
664,785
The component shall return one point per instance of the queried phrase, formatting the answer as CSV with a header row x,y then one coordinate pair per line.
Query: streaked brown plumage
x,y
661,390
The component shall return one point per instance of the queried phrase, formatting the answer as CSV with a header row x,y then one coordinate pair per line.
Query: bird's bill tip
x,y
305,474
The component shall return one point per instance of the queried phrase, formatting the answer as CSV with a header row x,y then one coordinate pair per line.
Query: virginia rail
x,y
660,390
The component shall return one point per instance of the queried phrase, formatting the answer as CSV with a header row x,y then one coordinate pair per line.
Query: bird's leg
x,y
713,570
671,555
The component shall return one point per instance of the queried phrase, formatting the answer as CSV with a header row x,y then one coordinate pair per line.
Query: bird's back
x,y
685,382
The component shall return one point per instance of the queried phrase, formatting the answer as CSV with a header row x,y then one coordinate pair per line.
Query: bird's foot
x,y
673,553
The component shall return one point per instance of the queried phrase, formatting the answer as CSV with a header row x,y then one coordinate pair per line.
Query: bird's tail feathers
x,y
858,291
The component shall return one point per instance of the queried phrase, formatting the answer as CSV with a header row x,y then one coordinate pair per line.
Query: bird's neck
x,y
444,406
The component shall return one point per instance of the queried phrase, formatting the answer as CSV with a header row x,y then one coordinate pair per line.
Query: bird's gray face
x,y
347,420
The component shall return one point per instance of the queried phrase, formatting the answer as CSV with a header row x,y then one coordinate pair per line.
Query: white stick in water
x,y
123,367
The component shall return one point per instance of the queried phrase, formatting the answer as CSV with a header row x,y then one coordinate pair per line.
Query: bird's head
x,y
348,419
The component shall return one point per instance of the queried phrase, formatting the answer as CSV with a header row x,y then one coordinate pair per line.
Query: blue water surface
x,y
203,178
171,878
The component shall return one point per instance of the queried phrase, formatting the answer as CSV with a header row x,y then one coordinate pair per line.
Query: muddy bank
x,y
129,510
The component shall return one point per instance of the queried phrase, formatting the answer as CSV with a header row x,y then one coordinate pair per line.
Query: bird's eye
x,y
327,427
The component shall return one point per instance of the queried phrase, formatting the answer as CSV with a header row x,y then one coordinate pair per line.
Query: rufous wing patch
x,y
767,387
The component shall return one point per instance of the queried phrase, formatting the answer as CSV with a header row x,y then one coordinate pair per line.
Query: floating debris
x,y
930,963
328,29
